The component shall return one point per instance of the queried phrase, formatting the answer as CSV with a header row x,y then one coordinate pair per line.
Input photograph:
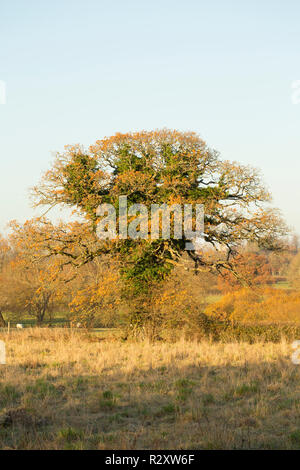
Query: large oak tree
x,y
156,167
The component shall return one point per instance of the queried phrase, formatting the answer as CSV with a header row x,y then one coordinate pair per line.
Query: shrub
x,y
257,305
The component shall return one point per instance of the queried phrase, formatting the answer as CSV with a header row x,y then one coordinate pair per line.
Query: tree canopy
x,y
155,167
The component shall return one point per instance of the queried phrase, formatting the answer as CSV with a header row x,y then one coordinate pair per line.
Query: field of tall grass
x,y
63,389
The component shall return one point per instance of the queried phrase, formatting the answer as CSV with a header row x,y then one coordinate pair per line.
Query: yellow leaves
x,y
257,305
163,166
101,293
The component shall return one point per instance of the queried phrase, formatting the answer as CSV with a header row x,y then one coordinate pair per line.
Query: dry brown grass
x,y
62,390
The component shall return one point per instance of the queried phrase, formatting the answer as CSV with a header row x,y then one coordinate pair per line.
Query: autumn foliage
x,y
154,167
251,269
145,283
257,305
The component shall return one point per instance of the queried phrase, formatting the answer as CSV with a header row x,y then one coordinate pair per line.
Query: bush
x,y
227,331
257,305
252,333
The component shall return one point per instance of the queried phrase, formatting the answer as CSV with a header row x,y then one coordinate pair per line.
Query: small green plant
x,y
295,437
169,409
8,394
208,399
107,400
41,389
69,434
184,389
246,389
107,395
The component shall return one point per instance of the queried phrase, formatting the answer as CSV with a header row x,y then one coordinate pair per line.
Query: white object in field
x,y
78,325
19,325
296,353
2,353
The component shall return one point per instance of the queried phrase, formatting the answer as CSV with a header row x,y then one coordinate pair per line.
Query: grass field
x,y
68,390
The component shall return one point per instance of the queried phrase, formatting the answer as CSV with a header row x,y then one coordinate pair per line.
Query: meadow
x,y
64,389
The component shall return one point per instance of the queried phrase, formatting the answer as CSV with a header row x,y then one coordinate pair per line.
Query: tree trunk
x,y
2,321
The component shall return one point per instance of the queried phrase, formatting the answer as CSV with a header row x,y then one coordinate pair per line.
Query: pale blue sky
x,y
79,70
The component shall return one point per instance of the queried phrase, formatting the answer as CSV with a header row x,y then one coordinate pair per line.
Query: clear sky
x,y
77,71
